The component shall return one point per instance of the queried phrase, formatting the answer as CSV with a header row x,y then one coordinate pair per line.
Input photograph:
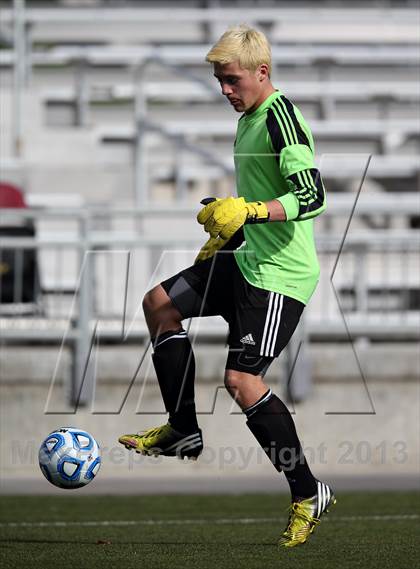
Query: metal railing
x,y
211,18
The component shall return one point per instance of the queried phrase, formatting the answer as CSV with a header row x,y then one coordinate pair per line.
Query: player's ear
x,y
263,72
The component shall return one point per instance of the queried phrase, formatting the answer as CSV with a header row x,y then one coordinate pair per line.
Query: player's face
x,y
241,87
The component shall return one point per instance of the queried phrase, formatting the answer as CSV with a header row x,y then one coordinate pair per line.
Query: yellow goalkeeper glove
x,y
210,247
223,217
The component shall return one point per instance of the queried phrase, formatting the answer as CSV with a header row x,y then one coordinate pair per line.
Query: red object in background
x,y
19,281
11,196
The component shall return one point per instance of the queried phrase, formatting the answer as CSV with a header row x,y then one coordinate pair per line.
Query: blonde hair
x,y
244,44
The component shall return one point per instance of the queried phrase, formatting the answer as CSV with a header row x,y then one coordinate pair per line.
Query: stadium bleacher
x,y
119,107
343,24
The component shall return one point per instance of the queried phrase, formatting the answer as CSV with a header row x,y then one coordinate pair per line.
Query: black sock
x,y
272,425
174,363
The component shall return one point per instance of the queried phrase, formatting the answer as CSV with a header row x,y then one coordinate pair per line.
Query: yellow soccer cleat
x,y
165,441
305,516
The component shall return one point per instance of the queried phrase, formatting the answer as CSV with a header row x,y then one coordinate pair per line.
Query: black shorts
x,y
261,322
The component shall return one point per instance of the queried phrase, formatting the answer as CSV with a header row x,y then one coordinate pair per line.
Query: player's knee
x,y
160,314
154,301
233,382
148,303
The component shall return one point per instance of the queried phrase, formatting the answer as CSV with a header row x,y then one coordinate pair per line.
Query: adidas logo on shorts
x,y
248,339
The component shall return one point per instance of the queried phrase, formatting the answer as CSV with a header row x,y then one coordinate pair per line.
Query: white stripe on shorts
x,y
276,329
272,322
271,326
267,320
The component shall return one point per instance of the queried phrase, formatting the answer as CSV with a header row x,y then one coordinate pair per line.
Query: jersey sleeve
x,y
292,148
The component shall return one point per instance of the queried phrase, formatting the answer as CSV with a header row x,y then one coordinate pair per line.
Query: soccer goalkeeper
x,y
258,270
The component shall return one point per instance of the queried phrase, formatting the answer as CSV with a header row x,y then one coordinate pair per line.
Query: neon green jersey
x,y
274,159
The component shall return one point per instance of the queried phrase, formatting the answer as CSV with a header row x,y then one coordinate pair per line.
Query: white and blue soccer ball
x,y
69,458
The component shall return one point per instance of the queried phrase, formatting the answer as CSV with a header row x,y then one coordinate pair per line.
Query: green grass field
x,y
363,530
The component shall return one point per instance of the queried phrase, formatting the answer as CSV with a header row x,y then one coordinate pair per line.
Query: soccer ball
x,y
69,458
